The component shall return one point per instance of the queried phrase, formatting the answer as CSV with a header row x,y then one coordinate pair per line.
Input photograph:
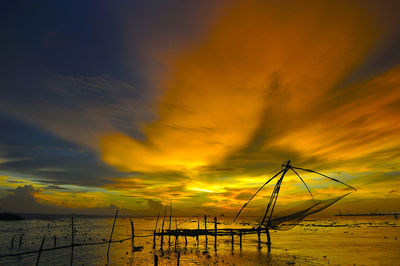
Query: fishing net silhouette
x,y
286,199
285,220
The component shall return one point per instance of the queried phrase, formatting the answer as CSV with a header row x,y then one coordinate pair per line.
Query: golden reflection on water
x,y
339,240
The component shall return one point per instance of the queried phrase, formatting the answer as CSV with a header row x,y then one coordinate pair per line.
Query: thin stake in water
x,y
155,230
40,250
162,229
112,231
72,240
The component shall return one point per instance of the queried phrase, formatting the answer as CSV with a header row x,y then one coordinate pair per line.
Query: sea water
x,y
336,241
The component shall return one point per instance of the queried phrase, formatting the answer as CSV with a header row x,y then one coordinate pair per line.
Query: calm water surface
x,y
336,241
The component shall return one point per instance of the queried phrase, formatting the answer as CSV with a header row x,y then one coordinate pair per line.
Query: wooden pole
x,y
176,234
215,233
232,241
162,229
162,239
273,206
112,231
205,227
272,203
274,193
198,228
169,233
176,240
259,237
72,240
179,257
271,199
185,240
55,241
155,260
155,229
20,240
277,192
132,233
40,250
240,239
12,241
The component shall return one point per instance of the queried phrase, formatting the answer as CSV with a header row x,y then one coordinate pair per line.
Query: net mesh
x,y
298,196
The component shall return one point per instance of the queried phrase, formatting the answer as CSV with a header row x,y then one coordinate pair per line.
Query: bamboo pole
x,y
162,230
112,231
12,241
273,206
268,238
40,251
55,241
271,199
276,190
72,240
155,260
215,233
179,257
155,229
132,233
198,228
276,198
205,227
272,203
176,234
232,240
20,240
240,239
269,180
169,233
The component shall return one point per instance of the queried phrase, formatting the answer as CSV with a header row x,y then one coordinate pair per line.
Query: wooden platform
x,y
209,232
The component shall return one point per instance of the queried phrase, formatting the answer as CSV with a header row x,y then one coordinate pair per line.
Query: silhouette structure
x,y
288,221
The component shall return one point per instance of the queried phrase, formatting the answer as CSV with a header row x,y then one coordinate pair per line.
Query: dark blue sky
x,y
60,54
178,95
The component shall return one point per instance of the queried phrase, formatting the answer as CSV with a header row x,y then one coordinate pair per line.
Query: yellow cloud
x,y
217,91
369,123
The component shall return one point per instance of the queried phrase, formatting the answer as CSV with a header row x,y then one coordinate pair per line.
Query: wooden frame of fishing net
x,y
287,219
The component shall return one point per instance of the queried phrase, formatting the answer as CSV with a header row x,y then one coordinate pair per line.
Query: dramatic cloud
x,y
279,86
202,104
268,71
24,200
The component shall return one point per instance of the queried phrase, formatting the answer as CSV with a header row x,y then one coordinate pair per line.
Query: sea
x,y
358,240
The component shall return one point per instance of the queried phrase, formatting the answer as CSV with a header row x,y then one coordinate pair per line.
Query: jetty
x,y
268,220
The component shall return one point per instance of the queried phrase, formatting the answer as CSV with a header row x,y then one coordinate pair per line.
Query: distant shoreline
x,y
8,216
42,216
368,214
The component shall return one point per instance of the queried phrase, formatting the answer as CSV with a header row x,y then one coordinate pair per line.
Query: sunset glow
x,y
134,114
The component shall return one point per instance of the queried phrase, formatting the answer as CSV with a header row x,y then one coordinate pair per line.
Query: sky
x,y
140,104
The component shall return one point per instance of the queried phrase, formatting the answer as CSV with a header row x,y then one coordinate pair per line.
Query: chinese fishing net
x,y
291,195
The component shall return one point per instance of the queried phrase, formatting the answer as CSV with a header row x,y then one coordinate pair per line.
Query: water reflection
x,y
311,242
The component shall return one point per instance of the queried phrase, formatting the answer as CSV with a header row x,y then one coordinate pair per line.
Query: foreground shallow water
x,y
336,241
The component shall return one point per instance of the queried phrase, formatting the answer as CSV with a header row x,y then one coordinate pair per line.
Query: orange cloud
x,y
366,124
217,91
